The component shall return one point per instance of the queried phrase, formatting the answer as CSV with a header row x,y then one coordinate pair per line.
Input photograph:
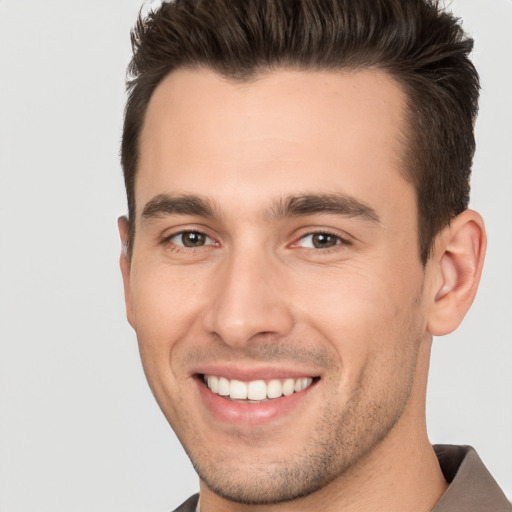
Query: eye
x,y
320,241
190,239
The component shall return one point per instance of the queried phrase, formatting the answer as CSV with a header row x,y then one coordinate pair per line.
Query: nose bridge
x,y
248,301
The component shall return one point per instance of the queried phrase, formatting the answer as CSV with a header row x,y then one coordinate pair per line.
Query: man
x,y
297,176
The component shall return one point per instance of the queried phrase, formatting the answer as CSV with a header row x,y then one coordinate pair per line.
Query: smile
x,y
256,390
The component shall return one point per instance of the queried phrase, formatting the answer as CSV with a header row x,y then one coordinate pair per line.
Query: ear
x,y
125,264
457,266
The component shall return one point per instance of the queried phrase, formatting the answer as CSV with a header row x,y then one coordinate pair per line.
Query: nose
x,y
249,301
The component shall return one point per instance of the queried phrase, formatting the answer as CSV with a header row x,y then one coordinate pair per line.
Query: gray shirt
x,y
472,488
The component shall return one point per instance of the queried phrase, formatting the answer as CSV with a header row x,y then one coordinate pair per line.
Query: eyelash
x,y
182,248
341,241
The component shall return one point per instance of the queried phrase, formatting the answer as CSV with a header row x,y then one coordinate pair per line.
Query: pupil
x,y
322,240
193,239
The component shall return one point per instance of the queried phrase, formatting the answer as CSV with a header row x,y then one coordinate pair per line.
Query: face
x,y
275,284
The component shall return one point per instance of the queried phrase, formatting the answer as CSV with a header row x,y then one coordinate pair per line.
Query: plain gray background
x,y
79,429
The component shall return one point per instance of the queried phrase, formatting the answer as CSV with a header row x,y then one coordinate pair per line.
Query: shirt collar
x,y
472,488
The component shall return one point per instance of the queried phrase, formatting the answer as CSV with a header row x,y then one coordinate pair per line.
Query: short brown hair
x,y
419,44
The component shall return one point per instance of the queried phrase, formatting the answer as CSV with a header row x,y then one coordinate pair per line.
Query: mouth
x,y
249,397
256,391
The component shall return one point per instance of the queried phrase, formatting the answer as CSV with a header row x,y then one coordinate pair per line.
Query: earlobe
x,y
125,264
458,260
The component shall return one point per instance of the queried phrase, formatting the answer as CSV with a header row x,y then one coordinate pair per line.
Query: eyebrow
x,y
165,204
300,205
330,204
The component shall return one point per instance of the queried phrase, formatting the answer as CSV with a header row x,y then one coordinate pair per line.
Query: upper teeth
x,y
256,389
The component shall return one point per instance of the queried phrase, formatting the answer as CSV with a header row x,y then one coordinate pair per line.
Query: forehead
x,y
286,131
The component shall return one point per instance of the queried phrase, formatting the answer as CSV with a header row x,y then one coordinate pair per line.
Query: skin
x,y
257,297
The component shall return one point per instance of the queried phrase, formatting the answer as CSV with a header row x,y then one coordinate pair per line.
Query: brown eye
x,y
191,239
320,241
323,240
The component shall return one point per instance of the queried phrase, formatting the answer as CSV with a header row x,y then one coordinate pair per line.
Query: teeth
x,y
256,390
274,389
288,387
213,384
237,390
223,386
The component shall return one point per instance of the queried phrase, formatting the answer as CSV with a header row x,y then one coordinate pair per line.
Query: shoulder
x,y
189,505
472,488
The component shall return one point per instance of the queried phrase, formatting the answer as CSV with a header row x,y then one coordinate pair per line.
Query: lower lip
x,y
247,413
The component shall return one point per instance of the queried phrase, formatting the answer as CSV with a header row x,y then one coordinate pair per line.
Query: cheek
x,y
365,315
165,306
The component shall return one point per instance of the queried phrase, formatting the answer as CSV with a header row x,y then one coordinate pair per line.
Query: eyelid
x,y
175,235
166,239
344,239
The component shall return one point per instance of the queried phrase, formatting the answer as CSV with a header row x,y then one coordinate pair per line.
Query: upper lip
x,y
246,374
